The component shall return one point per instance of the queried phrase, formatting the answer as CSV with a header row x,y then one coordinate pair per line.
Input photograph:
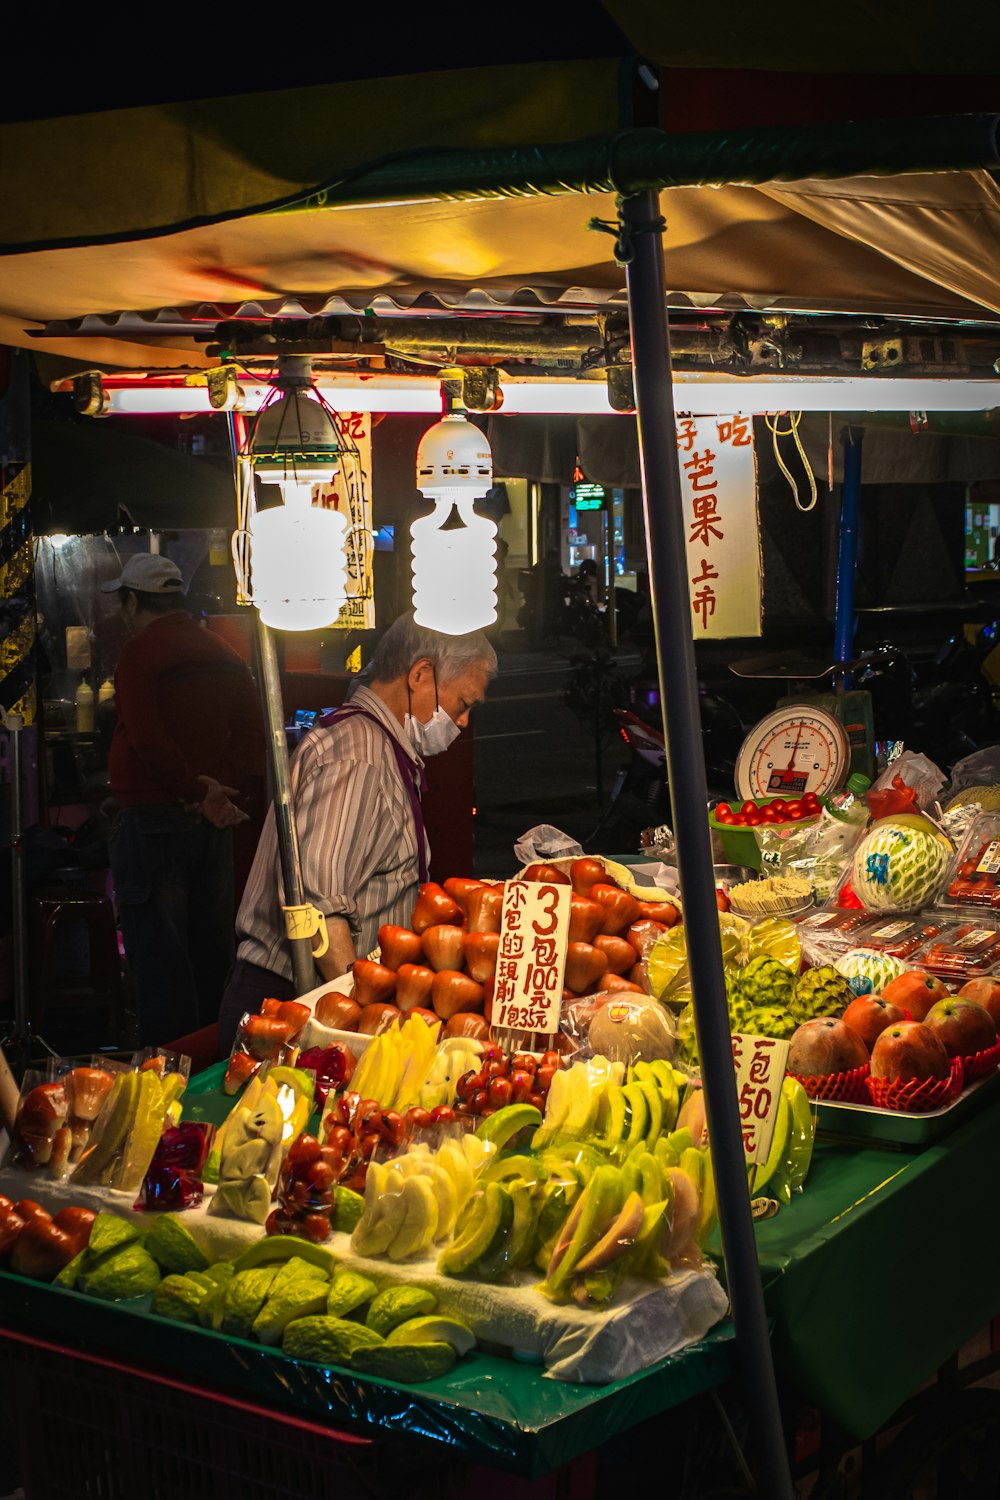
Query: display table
x,y
877,1273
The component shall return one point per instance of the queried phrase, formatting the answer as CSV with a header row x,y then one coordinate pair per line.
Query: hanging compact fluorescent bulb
x,y
454,550
298,554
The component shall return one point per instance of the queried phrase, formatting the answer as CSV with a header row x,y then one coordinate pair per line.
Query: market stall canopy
x,y
254,207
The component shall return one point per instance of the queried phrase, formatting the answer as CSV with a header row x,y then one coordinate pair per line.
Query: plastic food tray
x,y
962,949
974,879
863,1123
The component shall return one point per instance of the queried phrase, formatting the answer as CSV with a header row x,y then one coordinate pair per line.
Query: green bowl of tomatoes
x,y
735,822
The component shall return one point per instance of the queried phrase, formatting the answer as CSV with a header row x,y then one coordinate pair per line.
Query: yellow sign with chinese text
x,y
718,470
531,959
760,1068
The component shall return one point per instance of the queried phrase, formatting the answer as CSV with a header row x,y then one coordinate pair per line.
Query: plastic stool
x,y
101,983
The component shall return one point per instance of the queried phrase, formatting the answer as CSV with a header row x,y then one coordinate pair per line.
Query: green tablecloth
x,y
882,1268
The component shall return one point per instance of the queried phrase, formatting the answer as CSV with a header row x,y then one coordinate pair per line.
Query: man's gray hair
x,y
406,642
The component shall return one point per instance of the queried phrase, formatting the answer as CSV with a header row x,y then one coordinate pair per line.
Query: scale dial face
x,y
797,749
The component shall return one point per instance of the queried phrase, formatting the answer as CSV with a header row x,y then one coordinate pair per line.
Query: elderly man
x,y
356,794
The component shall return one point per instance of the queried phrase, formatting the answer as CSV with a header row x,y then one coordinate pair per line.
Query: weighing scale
x,y
796,749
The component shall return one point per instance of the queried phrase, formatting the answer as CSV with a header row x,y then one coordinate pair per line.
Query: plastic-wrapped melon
x,y
868,969
900,866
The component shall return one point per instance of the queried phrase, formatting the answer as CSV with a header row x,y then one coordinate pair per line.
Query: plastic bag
x,y
820,853
980,769
910,784
546,842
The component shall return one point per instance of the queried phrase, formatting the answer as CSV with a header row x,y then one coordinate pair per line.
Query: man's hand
x,y
216,805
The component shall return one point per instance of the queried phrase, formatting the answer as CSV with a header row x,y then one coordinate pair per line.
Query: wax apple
x,y
414,984
398,945
585,873
461,889
453,992
374,984
909,1050
586,918
485,907
480,950
546,875
620,954
585,965
434,905
442,946
620,909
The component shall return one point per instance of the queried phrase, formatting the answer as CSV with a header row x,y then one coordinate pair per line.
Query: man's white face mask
x,y
436,735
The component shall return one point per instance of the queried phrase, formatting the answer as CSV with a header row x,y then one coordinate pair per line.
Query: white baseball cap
x,y
148,573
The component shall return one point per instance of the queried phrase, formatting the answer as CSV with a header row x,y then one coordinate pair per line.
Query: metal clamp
x,y
305,922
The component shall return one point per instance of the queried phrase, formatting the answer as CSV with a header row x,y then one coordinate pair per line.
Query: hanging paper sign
x,y
351,494
531,959
721,524
760,1068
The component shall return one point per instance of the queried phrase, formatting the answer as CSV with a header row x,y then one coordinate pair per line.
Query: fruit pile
x,y
292,1294
442,966
267,1037
777,810
415,1200
36,1244
765,998
975,879
913,1030
522,1078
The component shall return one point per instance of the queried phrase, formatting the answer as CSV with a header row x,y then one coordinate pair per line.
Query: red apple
x,y
986,992
825,1045
964,1026
909,1049
915,991
869,1015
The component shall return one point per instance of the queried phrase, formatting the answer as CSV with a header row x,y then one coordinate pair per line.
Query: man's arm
x,y
340,955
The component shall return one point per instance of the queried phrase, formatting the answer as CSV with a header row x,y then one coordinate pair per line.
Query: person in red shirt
x,y
188,744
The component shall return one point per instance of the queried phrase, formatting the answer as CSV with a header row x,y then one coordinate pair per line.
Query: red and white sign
x,y
531,960
760,1067
719,486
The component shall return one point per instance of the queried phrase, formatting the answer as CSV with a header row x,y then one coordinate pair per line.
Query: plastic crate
x,y
89,1427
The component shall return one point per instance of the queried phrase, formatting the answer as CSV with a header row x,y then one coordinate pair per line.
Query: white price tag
x,y
531,961
760,1067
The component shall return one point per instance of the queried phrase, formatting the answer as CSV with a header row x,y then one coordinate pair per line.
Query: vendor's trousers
x,y
173,876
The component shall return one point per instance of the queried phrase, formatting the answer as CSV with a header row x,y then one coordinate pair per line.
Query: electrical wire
x,y
792,431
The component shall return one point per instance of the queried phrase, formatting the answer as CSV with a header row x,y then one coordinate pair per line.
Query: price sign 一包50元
x,y
760,1067
531,959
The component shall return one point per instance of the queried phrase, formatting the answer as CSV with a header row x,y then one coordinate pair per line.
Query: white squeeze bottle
x,y
85,708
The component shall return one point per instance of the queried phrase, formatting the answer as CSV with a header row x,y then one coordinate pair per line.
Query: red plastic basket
x,y
843,1088
981,1064
918,1096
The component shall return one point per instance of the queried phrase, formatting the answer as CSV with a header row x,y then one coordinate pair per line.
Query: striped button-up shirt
x,y
357,840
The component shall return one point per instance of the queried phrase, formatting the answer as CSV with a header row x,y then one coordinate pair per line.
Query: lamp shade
x,y
454,550
299,566
296,440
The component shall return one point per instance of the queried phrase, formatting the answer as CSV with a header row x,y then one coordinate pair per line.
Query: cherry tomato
x,y
778,804
551,1060
727,816
748,807
443,1114
500,1092
479,1101
418,1118
319,1175
538,1100
810,799
753,820
316,1227
340,1139
768,815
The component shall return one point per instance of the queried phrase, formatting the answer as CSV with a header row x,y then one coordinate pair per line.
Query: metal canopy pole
x,y
303,968
847,553
642,247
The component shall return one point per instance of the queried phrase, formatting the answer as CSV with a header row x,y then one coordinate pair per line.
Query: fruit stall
x,y
395,1207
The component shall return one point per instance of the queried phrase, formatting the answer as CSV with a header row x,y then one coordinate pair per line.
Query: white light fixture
x,y
298,551
454,550
707,395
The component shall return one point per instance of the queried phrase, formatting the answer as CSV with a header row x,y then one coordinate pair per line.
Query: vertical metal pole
x,y
847,553
303,968
668,587
22,1023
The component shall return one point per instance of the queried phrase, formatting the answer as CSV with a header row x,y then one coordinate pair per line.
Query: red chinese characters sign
x,y
531,960
351,494
719,487
760,1068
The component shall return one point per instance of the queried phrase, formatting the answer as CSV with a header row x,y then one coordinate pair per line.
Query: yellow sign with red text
x,y
718,470
531,959
760,1068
